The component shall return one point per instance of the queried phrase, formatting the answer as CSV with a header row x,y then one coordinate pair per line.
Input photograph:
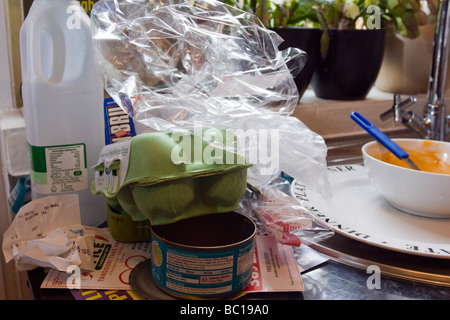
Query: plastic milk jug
x,y
63,104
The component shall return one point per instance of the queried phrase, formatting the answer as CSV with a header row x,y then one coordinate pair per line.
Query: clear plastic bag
x,y
184,64
278,214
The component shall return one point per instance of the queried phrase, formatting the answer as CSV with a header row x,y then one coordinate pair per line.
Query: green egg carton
x,y
161,190
123,228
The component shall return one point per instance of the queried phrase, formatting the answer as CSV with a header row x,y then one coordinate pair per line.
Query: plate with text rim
x,y
356,210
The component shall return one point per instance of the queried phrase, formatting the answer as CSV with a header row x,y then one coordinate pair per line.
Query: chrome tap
x,y
435,122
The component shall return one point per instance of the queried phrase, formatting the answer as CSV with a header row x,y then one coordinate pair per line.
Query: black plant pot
x,y
308,40
351,65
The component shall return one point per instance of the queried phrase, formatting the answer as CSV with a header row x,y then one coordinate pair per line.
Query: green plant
x,y
404,16
276,15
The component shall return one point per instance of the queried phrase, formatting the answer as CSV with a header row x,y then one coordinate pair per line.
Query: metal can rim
x,y
210,248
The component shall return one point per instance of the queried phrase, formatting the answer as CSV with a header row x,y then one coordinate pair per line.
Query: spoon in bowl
x,y
383,139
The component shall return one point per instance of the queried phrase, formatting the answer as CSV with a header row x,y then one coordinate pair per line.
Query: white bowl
x,y
421,193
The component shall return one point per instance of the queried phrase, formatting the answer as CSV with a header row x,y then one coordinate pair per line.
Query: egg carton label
x,y
113,166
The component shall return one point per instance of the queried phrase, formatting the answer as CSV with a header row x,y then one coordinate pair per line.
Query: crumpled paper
x,y
47,232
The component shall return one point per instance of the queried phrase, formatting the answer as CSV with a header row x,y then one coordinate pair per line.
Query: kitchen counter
x,y
329,281
344,276
334,281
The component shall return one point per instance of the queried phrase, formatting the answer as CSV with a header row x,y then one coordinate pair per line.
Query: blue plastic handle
x,y
379,136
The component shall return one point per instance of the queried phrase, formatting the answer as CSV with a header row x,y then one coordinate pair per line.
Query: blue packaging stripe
x,y
116,120
17,197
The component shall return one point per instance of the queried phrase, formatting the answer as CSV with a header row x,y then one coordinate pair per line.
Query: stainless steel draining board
x,y
394,264
356,254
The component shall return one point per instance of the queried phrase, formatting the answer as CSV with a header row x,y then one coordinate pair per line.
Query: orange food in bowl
x,y
429,158
420,193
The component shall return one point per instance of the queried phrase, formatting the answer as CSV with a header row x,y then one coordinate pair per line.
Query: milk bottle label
x,y
58,169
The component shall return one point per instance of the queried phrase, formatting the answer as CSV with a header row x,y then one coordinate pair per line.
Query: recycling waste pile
x,y
205,174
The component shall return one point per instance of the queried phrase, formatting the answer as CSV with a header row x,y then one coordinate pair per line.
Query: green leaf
x,y
352,11
391,4
324,44
332,15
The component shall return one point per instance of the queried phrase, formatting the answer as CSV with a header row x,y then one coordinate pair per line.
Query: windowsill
x,y
331,118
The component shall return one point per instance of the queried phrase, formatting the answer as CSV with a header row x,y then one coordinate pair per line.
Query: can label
x,y
202,273
58,169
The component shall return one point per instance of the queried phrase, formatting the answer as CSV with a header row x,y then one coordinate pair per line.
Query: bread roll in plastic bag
x,y
202,63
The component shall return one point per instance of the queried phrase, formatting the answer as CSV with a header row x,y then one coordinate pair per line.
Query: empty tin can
x,y
206,257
